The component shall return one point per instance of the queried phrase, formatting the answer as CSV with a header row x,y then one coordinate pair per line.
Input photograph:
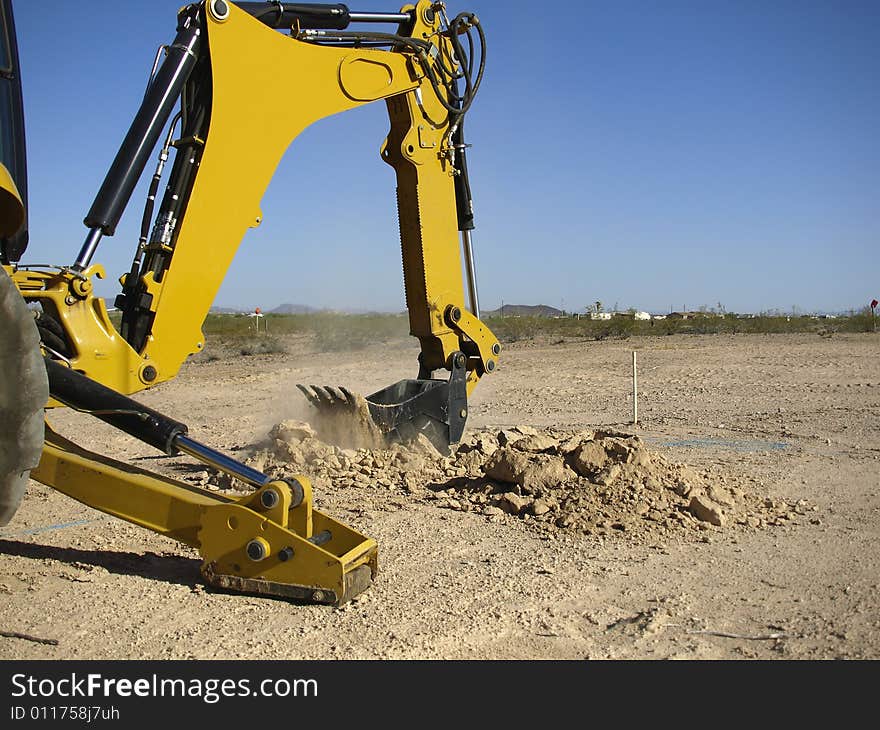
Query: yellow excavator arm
x,y
249,77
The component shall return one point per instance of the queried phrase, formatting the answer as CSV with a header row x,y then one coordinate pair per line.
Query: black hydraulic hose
x,y
471,84
145,129
464,205
154,188
81,393
148,209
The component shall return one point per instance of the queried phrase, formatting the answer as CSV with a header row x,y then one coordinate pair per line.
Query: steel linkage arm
x,y
270,542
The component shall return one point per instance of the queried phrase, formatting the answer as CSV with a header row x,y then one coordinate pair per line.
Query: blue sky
x,y
650,155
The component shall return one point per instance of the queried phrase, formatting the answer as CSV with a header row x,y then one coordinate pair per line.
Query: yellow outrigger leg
x,y
271,542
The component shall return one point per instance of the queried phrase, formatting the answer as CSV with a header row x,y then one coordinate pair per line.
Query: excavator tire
x,y
24,390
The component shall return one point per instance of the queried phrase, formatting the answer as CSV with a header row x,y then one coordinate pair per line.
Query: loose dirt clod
x,y
595,482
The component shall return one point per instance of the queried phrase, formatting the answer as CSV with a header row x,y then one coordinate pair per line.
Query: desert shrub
x,y
239,325
262,345
514,329
616,328
346,332
861,321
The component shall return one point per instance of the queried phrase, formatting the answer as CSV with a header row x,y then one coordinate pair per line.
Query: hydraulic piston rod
x,y
220,461
84,394
471,272
379,17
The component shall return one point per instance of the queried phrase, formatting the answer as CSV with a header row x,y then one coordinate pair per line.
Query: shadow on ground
x,y
166,568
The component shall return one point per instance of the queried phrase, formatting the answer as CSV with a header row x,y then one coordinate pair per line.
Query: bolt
x,y
454,314
460,360
490,366
219,9
496,349
257,549
269,498
285,554
149,374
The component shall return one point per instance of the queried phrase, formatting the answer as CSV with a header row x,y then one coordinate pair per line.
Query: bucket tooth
x,y
329,397
311,397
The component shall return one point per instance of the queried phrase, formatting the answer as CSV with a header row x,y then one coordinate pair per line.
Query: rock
x,y
720,495
683,479
564,521
422,445
653,484
540,507
609,475
334,463
314,449
508,436
526,430
413,484
536,444
571,443
588,459
546,471
638,457
532,471
617,450
483,443
292,431
706,510
471,462
285,451
408,461
514,503
486,444
506,465
682,489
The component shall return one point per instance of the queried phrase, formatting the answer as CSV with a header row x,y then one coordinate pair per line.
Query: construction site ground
x,y
743,522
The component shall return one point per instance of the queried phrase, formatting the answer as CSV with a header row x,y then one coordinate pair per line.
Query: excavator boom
x,y
227,124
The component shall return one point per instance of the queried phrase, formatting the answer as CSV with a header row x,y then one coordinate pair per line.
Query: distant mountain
x,y
523,310
226,310
292,309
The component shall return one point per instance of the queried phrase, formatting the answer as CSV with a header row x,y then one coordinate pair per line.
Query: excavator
x,y
217,119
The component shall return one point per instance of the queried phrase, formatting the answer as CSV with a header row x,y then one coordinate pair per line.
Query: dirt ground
x,y
787,426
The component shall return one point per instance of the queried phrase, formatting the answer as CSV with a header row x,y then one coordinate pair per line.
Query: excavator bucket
x,y
436,409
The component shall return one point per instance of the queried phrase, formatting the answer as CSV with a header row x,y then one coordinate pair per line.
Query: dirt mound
x,y
598,482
